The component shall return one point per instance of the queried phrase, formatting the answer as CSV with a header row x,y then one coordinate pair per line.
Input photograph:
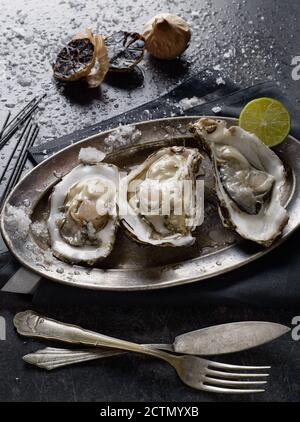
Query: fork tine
x,y
234,374
213,389
228,366
231,383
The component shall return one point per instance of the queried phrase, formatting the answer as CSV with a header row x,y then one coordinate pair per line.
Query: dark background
x,y
249,41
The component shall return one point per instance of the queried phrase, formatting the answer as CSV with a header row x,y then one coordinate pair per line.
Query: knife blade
x,y
228,338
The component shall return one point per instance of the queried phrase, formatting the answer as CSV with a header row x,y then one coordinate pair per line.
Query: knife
x,y
228,338
215,340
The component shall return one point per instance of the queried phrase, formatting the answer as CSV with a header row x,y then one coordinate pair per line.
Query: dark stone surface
x,y
263,36
132,377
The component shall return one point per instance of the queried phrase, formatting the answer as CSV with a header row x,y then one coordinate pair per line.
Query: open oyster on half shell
x,y
249,177
83,211
159,204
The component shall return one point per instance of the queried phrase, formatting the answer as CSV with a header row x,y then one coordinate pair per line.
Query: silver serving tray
x,y
137,267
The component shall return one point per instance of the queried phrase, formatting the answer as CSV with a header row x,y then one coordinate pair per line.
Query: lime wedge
x,y
266,118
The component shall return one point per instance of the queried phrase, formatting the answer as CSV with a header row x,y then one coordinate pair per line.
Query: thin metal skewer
x,y
28,105
5,124
20,119
32,103
14,151
30,137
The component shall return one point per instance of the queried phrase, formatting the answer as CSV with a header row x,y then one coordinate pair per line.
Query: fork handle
x,y
52,358
30,324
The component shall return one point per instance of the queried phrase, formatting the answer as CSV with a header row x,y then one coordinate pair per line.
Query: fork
x,y
196,372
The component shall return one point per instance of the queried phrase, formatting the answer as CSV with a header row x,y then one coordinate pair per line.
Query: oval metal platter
x,y
132,266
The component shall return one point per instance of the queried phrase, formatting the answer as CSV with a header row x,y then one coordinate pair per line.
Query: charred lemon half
x,y
85,56
125,50
75,60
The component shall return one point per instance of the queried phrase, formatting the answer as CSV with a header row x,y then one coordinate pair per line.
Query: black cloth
x,y
271,281
204,85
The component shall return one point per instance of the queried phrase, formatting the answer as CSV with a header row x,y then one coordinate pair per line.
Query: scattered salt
x,y
90,155
40,230
10,105
220,81
122,136
24,81
228,54
212,37
187,103
48,257
19,32
216,109
26,202
217,67
17,221
195,14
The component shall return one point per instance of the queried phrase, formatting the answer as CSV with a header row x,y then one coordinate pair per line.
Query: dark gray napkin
x,y
270,281
206,86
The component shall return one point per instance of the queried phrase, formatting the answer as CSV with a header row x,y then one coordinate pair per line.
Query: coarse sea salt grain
x,y
90,155
122,136
216,109
40,230
187,103
228,54
17,221
217,67
48,257
220,81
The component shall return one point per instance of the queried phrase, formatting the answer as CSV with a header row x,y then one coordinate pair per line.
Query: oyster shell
x,y
159,204
83,213
249,180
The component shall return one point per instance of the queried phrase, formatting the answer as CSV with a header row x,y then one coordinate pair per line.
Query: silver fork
x,y
196,372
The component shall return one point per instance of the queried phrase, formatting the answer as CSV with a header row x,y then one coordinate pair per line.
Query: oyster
x,y
249,180
159,204
83,213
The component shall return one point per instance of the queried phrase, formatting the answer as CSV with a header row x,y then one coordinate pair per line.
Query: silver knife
x,y
228,338
215,340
